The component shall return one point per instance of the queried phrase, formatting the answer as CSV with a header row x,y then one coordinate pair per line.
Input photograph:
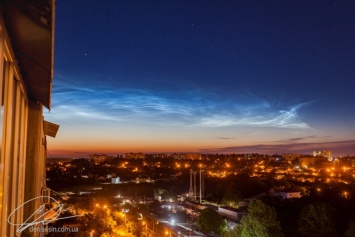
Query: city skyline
x,y
203,77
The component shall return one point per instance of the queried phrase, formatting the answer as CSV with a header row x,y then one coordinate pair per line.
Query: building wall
x,y
22,143
230,213
287,195
35,162
115,180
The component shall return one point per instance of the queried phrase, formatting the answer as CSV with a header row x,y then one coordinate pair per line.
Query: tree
x,y
230,197
317,220
351,229
103,221
210,221
261,221
235,232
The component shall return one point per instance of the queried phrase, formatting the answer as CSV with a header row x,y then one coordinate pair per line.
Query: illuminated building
x,y
232,213
135,155
290,156
193,156
97,159
325,153
186,156
26,69
285,194
115,180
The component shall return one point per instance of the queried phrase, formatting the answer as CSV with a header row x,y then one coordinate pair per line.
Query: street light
x,y
125,221
149,221
168,233
146,228
154,223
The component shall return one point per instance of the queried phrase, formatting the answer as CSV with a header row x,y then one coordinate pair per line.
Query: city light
x,y
211,116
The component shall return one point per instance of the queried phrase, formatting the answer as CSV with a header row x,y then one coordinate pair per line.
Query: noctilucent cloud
x,y
203,76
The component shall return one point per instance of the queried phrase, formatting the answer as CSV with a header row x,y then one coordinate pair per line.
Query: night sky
x,y
203,76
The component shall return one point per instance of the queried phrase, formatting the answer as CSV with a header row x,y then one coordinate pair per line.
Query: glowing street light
x,y
146,227
168,233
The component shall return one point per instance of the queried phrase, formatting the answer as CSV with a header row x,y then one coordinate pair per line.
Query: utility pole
x,y
195,194
200,186
202,183
191,191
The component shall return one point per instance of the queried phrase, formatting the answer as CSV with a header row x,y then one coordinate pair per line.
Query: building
x,y
232,213
290,156
325,153
284,193
348,161
26,72
115,180
193,156
98,159
135,155
157,156
309,161
186,156
290,194
178,156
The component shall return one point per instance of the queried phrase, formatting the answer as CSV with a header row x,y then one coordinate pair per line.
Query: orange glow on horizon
x,y
71,148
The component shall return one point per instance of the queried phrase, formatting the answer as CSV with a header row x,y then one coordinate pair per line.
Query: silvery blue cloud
x,y
73,103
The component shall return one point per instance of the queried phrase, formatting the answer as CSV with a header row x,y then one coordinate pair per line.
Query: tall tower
x,y
202,185
191,190
195,194
193,187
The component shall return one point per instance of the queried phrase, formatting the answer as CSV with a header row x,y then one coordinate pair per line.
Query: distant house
x,y
291,194
285,193
115,180
196,205
232,213
101,178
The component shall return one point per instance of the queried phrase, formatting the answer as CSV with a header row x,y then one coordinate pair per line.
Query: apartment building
x,y
26,71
